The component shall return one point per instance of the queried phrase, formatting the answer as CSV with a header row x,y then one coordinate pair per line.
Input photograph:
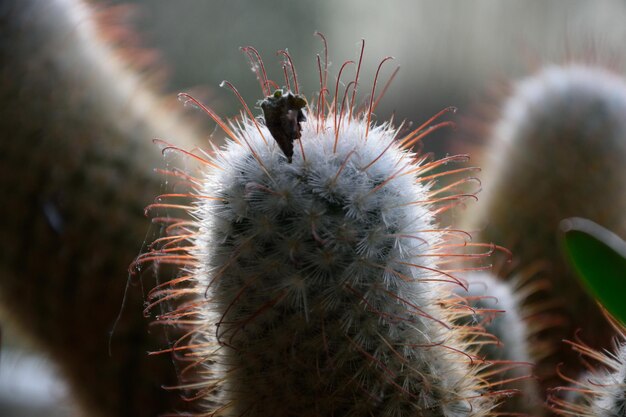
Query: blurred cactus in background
x,y
599,391
499,311
76,163
557,151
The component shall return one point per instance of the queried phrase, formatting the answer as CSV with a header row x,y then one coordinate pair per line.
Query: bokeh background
x,y
461,53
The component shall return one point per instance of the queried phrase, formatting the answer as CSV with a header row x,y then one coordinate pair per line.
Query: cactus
x,y
499,311
601,390
557,151
314,278
76,124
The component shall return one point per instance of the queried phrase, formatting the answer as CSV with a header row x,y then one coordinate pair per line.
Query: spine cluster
x,y
600,391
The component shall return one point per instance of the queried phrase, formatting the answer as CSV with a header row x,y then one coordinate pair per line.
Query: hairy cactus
x,y
499,311
601,390
556,152
76,124
318,283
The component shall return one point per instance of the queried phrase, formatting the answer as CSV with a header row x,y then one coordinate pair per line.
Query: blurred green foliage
x,y
599,258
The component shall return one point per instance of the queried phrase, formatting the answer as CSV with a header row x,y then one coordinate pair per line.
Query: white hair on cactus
x,y
599,392
320,280
501,313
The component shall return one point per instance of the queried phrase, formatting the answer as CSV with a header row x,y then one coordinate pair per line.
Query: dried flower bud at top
x,y
283,115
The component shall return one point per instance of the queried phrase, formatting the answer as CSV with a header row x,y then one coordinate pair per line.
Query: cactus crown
x,y
320,285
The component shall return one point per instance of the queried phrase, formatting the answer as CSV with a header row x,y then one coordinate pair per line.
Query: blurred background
x,y
451,53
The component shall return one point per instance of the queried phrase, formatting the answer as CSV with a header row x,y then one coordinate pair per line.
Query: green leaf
x,y
599,258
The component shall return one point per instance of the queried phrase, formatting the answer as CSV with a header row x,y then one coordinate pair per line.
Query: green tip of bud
x,y
300,102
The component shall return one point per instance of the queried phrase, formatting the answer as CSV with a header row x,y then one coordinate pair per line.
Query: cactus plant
x,y
76,124
499,311
557,151
598,392
314,279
